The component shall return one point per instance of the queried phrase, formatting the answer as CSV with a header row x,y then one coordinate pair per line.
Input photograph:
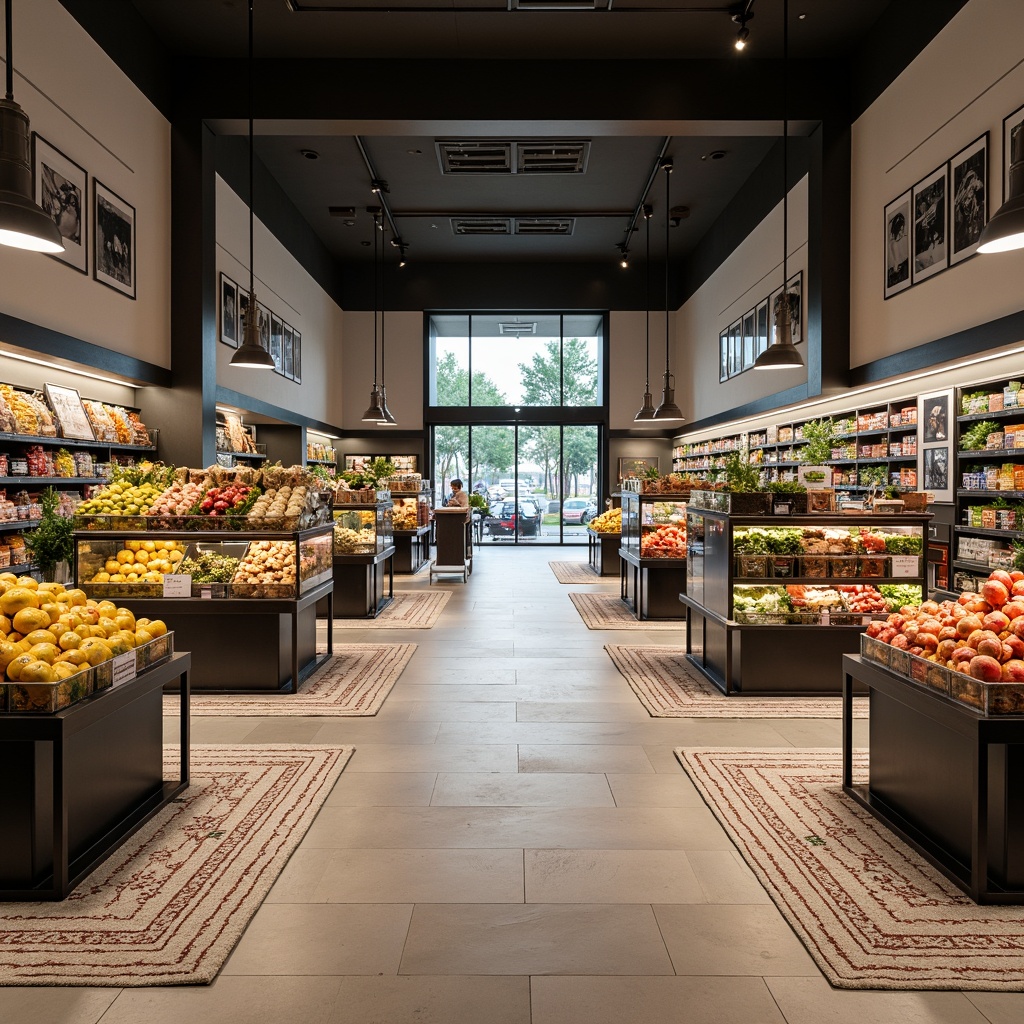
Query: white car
x,y
578,510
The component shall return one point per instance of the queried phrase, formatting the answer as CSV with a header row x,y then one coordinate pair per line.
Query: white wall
x,y
285,288
965,82
750,274
79,101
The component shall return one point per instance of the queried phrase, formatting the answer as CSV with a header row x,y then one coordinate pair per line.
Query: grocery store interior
x,y
509,511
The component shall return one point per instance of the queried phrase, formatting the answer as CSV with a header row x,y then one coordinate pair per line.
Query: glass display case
x,y
759,589
654,525
410,521
361,528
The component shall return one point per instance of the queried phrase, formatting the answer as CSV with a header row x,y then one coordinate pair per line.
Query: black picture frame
x,y
61,188
263,315
296,357
896,259
288,342
795,291
723,356
230,318
276,347
287,355
968,199
114,240
929,246
762,328
1013,125
735,348
749,329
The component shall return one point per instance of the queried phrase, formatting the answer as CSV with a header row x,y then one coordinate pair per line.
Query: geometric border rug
x,y
409,610
168,907
353,683
668,688
871,912
576,572
609,611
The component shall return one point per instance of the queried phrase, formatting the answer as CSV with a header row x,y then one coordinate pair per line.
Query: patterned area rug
x,y
354,682
409,610
577,572
608,611
871,912
669,688
168,907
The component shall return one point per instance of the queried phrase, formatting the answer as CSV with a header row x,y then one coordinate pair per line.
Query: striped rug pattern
x,y
409,610
609,611
577,572
168,907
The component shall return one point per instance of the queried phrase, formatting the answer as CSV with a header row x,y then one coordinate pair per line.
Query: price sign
x,y
124,667
904,566
178,586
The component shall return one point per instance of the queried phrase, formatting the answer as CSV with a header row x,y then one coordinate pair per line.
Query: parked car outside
x,y
509,518
578,510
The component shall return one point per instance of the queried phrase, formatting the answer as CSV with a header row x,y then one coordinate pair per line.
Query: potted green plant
x,y
743,482
52,542
789,497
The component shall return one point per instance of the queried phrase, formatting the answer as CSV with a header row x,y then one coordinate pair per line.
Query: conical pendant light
x,y
375,411
647,409
23,224
783,355
1005,231
668,410
387,416
251,352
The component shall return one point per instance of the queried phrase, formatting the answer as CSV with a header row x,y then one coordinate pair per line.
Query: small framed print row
x,y
280,339
61,189
742,342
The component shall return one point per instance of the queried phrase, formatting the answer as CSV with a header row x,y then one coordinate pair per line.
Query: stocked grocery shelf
x,y
19,524
999,414
72,442
985,531
49,481
967,454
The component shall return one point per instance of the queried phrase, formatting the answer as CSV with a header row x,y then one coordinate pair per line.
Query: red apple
x,y
948,633
963,654
945,650
1018,587
1012,671
986,669
966,625
1013,608
930,607
1003,577
899,640
966,597
991,647
996,621
1016,646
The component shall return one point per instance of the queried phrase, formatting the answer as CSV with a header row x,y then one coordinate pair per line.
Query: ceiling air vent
x,y
490,157
481,226
559,5
516,327
545,225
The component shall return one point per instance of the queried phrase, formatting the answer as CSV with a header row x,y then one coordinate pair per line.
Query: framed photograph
x,y
795,289
113,262
749,328
72,420
723,356
263,315
935,458
287,355
1013,137
761,343
297,359
735,348
897,246
288,343
276,352
637,467
929,249
968,199
229,316
60,188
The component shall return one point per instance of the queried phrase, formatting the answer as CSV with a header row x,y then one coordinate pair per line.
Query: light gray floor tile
x,y
732,940
436,757
422,876
210,730
432,1000
654,790
580,711
383,789
462,711
298,881
50,1005
536,939
610,876
582,757
423,673
724,877
999,1007
524,790
326,939
362,731
622,1000
812,1000
229,1000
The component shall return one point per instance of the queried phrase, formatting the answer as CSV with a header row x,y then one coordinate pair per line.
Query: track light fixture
x,y
740,16
623,257
668,410
402,260
23,224
647,409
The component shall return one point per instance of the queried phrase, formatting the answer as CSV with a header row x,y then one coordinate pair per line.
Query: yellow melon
x,y
156,627
15,665
39,636
16,598
37,671
69,641
28,581
53,588
8,652
63,669
45,652
30,618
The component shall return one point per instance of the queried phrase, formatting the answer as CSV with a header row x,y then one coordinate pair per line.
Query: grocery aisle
x,y
513,841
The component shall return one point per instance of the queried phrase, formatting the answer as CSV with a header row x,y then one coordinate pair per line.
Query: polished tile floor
x,y
513,842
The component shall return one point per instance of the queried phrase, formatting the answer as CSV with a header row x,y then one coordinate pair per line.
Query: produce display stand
x,y
80,782
947,779
603,552
358,588
744,657
650,585
454,539
241,644
412,549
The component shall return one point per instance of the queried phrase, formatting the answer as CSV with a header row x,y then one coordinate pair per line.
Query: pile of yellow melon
x,y
50,633
141,561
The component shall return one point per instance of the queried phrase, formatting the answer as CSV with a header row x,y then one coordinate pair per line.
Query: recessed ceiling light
x,y
414,152
310,154
715,154
364,243
802,17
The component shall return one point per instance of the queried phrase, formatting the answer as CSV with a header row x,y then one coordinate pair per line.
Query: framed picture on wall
x,y
795,290
60,187
70,414
735,349
761,343
723,356
637,467
1013,137
243,311
935,457
296,357
929,244
113,236
288,340
229,333
749,329
263,319
276,351
897,246
968,199
287,355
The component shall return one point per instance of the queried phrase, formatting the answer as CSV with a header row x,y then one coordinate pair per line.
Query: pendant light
x,y
387,418
375,411
1005,231
668,410
251,352
23,224
647,409
783,354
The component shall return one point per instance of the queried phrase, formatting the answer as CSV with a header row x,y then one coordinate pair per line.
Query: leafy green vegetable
x,y
900,594
900,544
974,438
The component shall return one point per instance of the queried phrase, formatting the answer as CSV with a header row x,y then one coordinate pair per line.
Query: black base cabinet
x,y
603,552
651,586
359,591
412,549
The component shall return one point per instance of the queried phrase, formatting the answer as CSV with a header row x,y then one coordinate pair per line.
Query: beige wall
x,y
284,287
964,83
83,105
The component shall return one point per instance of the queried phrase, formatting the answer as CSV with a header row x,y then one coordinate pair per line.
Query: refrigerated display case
x,y
363,557
652,554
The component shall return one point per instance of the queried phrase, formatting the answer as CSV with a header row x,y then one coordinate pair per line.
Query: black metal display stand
x,y
651,586
454,539
412,549
359,585
948,780
80,782
603,552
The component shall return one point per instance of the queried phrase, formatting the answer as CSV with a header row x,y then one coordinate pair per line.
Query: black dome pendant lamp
x,y
387,416
668,410
647,409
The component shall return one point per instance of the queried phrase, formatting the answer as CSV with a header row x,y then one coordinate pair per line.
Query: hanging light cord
x,y
785,152
647,310
668,218
376,230
382,308
10,53
252,284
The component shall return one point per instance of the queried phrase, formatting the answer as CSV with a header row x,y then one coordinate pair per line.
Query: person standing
x,y
458,498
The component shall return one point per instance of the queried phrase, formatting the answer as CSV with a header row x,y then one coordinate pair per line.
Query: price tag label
x,y
124,667
205,592
904,566
178,586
